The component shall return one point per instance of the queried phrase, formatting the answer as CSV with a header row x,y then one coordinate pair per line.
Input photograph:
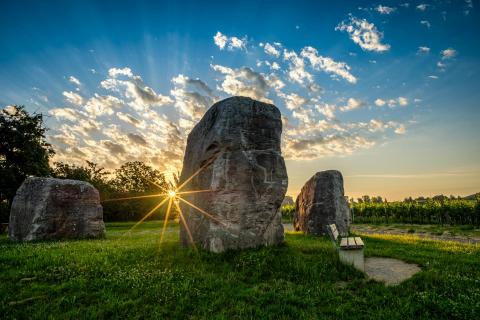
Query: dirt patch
x,y
390,271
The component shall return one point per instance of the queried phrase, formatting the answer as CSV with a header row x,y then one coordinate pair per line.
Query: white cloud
x,y
102,105
73,98
220,40
271,50
138,95
192,97
115,72
352,104
448,53
74,80
274,66
237,43
244,82
294,101
364,34
296,72
231,43
433,77
423,50
65,113
400,101
328,110
426,23
380,102
384,9
422,7
327,64
400,129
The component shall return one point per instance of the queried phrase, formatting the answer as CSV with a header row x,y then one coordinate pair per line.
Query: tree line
x,y
24,151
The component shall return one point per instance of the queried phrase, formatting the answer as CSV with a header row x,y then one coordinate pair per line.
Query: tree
x,y
91,173
131,180
137,177
24,150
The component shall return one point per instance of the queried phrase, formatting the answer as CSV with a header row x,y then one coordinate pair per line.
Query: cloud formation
x,y
364,34
328,65
423,50
74,80
422,6
448,53
271,49
384,9
243,82
128,120
231,43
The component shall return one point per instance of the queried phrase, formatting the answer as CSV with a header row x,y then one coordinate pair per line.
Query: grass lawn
x,y
130,277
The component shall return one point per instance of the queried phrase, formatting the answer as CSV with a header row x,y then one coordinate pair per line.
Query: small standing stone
x,y
322,202
48,209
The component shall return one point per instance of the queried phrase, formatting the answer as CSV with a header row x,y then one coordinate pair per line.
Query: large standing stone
x,y
322,202
47,209
236,147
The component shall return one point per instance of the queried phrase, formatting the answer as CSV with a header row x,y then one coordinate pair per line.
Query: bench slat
x,y
351,243
333,232
359,241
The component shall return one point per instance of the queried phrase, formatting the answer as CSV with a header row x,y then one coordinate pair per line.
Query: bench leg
x,y
353,257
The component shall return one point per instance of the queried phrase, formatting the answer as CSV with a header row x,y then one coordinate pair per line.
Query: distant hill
x,y
472,196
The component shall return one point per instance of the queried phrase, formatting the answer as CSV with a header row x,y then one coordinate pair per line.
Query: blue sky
x,y
384,91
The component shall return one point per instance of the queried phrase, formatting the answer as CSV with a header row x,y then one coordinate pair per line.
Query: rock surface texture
x,y
322,202
235,151
47,209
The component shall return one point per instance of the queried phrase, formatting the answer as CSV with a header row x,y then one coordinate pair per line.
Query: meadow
x,y
128,275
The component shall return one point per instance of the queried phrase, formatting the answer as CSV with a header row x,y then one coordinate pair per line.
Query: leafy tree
x,y
24,150
137,177
91,173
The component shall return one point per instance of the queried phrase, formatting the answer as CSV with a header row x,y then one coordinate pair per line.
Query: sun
x,y
172,198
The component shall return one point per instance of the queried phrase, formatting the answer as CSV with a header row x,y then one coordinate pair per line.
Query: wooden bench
x,y
350,250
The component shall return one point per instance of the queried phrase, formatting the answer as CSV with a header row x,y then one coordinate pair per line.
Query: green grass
x,y
129,277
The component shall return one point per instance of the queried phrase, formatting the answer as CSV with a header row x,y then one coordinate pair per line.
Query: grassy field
x,y
131,277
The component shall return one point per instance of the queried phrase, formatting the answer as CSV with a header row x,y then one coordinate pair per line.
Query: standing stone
x,y
47,209
322,202
236,150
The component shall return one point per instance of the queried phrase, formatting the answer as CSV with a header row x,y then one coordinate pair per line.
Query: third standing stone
x,y
322,202
236,150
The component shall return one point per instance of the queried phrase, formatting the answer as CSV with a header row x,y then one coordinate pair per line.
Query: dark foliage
x,y
23,151
132,179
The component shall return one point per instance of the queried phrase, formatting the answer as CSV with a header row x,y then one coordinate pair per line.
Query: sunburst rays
x,y
173,198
